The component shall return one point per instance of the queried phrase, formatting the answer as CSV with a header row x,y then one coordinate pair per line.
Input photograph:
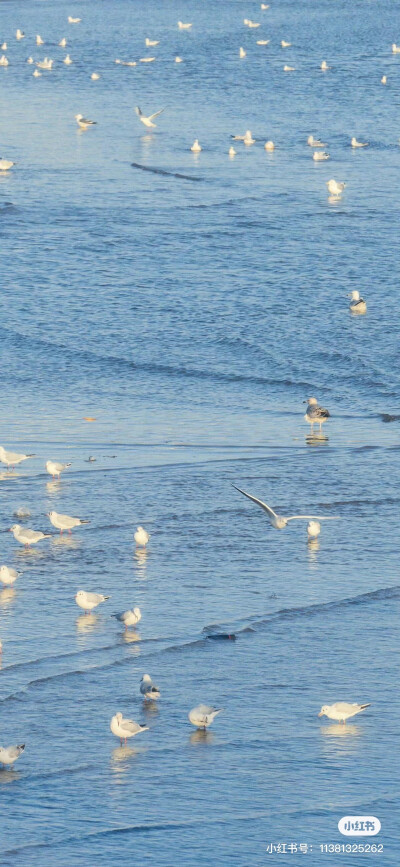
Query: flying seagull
x,y
148,121
278,521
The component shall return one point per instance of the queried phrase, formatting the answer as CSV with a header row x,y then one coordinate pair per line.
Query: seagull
x,y
27,537
11,459
285,44
242,52
20,34
54,468
287,68
203,715
313,529
278,521
148,688
8,575
130,617
248,138
150,43
148,121
47,63
62,43
335,188
83,123
232,152
263,41
315,142
125,728
4,46
395,48
315,413
146,59
22,513
95,76
324,66
319,156
30,60
64,522
3,61
342,710
127,62
358,144
357,304
88,601
36,73
251,23
178,59
141,537
384,79
67,60
9,755
72,20
269,146
264,6
183,26
39,40
196,148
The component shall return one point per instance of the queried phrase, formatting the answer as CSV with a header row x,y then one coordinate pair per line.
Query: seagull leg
x,y
60,532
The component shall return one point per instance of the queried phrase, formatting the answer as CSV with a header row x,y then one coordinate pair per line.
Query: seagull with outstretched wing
x,y
278,521
148,121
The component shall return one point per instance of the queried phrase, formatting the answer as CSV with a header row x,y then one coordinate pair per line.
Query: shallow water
x,y
190,317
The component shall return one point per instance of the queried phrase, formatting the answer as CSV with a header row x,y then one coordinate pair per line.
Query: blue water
x,y
190,318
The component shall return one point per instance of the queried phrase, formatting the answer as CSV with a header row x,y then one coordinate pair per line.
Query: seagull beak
x,y
320,714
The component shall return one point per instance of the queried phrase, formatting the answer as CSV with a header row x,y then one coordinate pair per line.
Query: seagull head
x,y
354,295
312,401
323,710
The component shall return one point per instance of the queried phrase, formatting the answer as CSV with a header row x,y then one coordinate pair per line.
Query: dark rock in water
x,y
387,417
222,636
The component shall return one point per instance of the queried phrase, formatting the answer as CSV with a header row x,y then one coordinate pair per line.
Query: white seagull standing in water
x,y
130,617
9,755
313,529
342,710
184,26
141,537
358,144
125,728
148,121
64,522
88,601
324,66
27,537
203,715
196,147
8,575
315,142
54,468
148,689
11,459
278,521
315,413
5,165
319,156
72,20
20,34
335,188
83,122
357,304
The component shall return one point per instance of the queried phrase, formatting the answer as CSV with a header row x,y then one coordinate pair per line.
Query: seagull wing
x,y
138,111
314,518
156,113
264,506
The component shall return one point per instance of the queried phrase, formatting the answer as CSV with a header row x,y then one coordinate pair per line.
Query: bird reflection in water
x,y
317,440
121,761
8,775
86,623
201,737
7,596
150,708
66,541
340,740
53,487
130,637
312,549
140,557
